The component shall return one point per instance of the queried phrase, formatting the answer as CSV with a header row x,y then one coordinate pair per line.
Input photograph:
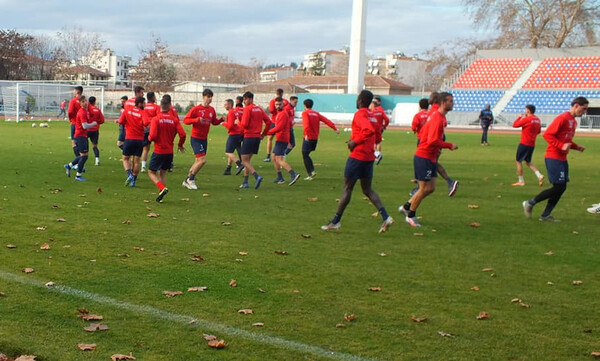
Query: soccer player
x,y
290,108
383,120
74,106
282,132
251,127
311,120
152,110
121,137
420,118
200,117
129,104
134,121
559,136
163,128
63,110
234,140
486,119
82,123
93,133
531,126
273,112
360,163
378,131
426,157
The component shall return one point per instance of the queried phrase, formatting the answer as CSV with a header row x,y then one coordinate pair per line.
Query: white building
x,y
108,62
326,62
408,70
274,74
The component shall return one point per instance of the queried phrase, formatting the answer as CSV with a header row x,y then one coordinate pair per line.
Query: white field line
x,y
214,327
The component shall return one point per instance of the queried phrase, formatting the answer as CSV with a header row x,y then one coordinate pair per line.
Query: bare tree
x,y
13,54
47,56
154,71
76,43
538,23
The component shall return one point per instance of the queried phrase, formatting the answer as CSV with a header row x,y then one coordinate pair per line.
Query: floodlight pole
x,y
357,63
17,105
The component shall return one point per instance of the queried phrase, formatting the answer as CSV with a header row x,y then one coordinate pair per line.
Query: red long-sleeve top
x,y
82,116
382,119
251,121
291,111
134,121
311,122
163,128
95,115
73,109
273,110
363,134
152,110
432,137
201,117
531,127
282,127
232,122
419,121
559,132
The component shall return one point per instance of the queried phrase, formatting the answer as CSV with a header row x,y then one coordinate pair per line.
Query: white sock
x,y
521,179
377,153
538,174
143,164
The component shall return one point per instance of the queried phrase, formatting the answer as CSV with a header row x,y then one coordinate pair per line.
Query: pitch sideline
x,y
174,317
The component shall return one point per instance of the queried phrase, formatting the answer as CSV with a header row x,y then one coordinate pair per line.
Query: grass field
x,y
95,262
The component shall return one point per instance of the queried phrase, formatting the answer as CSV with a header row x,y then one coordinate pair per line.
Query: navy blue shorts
x,y
133,147
160,162
233,142
121,137
292,138
72,131
81,143
358,169
250,145
199,146
424,169
93,136
524,153
309,145
558,171
146,141
280,148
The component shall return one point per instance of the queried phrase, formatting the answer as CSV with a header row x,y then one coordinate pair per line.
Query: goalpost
x,y
23,100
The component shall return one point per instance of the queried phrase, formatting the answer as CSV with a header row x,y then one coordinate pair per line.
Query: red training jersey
x,y
82,116
273,110
432,137
63,104
311,122
134,121
232,123
74,107
201,117
382,118
363,134
151,110
559,132
291,111
251,118
419,121
163,128
282,127
95,115
531,127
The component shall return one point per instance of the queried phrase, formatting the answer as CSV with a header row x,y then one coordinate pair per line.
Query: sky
x,y
273,32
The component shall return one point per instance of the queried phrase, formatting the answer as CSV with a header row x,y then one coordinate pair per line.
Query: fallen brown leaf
x,y
26,358
55,206
243,253
489,269
473,206
550,283
515,300
376,214
246,311
197,258
256,197
239,260
283,253
549,253
475,224
124,255
205,194
118,356
313,199
340,325
153,215
217,344
82,195
348,317
43,228
261,290
172,293
306,236
49,284
226,223
2,294
374,289
148,209
197,289
83,311
28,270
139,249
99,190
86,346
595,354
474,288
232,283
575,232
185,199
524,305
96,327
444,334
146,201
45,246
258,324
87,317
127,221
483,315
418,319
417,234
577,283
61,220
382,254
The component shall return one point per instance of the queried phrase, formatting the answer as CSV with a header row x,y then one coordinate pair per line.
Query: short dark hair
x,y
151,96
444,96
139,100
248,95
580,101
207,93
165,103
229,101
377,99
424,103
124,97
293,97
309,103
365,98
279,91
166,96
92,100
239,99
434,98
531,108
279,99
81,98
138,89
79,89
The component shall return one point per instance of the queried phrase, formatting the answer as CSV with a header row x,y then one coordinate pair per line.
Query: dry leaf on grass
x,y
118,356
99,190
153,215
306,236
549,253
382,254
283,253
350,317
61,220
473,206
43,228
256,197
575,232
232,283
444,334
483,315
208,337
374,289
239,260
197,258
313,199
258,324
86,346
550,283
172,293
55,206
515,300
138,249
146,201
197,289
376,214
11,246
417,234
577,283
217,344
489,269
246,311
148,209
83,311
205,194
340,325
28,270
261,290
45,246
413,318
26,358
475,288
243,253
595,354
124,255
475,224
185,199
226,223
524,305
49,284
2,294
88,317
96,327
127,221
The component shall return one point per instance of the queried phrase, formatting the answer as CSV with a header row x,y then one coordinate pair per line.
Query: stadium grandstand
x,y
508,80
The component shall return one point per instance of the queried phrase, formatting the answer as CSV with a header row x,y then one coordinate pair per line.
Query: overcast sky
x,y
271,31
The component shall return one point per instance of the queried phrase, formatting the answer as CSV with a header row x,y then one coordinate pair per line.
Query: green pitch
x,y
109,257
